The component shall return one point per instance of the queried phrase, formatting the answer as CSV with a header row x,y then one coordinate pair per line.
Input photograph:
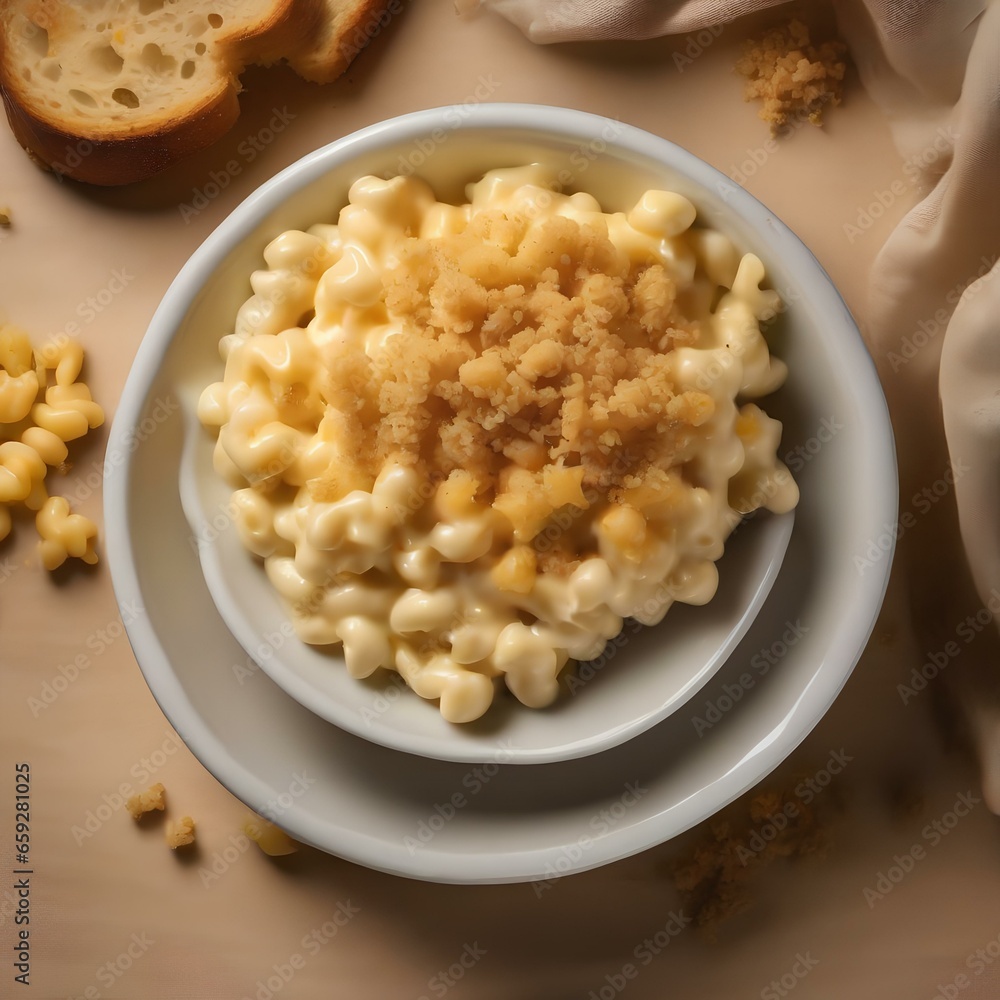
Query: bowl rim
x,y
876,468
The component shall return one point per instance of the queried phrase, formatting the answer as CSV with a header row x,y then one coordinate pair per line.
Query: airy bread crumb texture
x,y
180,833
113,91
539,365
151,799
794,79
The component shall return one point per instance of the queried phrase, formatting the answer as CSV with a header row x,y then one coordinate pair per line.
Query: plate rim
x,y
523,865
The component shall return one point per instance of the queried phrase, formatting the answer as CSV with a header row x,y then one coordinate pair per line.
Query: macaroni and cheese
x,y
468,440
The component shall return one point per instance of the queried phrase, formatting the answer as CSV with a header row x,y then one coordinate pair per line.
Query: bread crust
x,y
110,151
349,37
120,159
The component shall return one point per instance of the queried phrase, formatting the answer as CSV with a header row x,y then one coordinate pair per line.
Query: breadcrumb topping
x,y
793,79
541,364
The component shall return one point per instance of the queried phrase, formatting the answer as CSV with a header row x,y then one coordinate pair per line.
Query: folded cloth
x,y
587,20
932,321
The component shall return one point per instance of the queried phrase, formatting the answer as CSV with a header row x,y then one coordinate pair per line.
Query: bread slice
x,y
113,91
346,28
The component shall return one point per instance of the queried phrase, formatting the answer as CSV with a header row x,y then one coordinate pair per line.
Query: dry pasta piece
x,y
36,422
271,839
64,534
22,475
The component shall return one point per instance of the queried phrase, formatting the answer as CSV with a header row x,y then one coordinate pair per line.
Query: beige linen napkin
x,y
933,316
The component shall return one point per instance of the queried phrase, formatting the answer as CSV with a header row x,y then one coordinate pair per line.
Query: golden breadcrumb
x,y
143,802
180,833
713,878
5,222
542,366
794,79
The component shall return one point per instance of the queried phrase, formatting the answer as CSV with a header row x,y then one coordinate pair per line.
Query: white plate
x,y
488,822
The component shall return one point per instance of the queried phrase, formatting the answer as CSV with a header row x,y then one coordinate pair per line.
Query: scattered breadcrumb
x,y
180,833
271,839
906,799
713,879
5,222
143,802
794,79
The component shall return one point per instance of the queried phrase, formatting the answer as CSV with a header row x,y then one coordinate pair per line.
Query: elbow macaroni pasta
x,y
33,437
468,440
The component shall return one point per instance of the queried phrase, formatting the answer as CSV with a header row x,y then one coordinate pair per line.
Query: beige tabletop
x,y
113,913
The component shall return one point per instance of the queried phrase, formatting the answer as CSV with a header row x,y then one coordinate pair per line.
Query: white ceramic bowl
x,y
370,801
649,677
